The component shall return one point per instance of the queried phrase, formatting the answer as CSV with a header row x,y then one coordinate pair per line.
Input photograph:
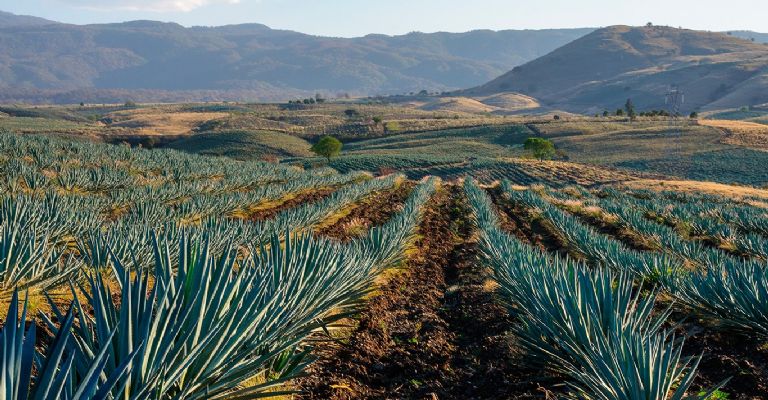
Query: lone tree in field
x,y
630,108
327,147
542,149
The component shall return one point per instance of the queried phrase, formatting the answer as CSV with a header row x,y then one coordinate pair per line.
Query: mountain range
x,y
45,58
579,70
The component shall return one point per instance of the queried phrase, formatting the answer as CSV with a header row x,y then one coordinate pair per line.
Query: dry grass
x,y
741,133
458,104
731,191
735,126
580,174
510,101
159,122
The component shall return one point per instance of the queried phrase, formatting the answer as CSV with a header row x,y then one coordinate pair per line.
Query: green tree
x,y
327,147
694,115
629,107
540,148
619,112
392,126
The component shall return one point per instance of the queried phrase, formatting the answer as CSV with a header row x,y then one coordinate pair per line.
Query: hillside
x,y
750,35
601,70
8,20
168,62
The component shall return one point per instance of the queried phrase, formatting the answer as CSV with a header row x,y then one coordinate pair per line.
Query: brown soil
x,y
533,231
374,211
433,332
306,197
741,358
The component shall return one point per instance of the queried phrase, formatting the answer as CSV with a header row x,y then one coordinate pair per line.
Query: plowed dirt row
x,y
376,210
434,331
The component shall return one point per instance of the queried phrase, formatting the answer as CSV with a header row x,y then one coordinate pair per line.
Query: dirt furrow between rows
x,y
536,232
293,201
375,210
433,331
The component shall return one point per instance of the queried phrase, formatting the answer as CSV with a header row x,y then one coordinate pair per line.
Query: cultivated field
x,y
438,260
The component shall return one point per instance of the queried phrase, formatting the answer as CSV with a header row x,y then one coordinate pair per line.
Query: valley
x,y
243,212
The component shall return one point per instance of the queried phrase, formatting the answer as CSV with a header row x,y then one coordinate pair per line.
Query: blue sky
x,y
358,17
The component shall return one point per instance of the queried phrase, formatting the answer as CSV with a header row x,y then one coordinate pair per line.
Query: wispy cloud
x,y
146,5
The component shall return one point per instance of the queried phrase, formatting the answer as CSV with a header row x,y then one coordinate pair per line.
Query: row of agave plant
x,y
730,290
594,326
200,321
128,187
39,232
41,162
736,225
598,249
742,214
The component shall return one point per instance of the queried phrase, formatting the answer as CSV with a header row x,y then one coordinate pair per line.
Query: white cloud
x,y
147,5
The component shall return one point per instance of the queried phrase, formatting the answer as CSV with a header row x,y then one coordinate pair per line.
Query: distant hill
x,y
8,20
164,60
604,68
750,35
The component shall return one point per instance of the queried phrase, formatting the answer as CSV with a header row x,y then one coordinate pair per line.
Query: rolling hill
x,y
148,60
604,68
751,36
8,20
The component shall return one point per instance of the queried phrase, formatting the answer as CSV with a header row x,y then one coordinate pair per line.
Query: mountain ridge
x,y
604,68
269,63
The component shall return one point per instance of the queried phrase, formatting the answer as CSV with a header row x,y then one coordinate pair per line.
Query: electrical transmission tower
x,y
674,100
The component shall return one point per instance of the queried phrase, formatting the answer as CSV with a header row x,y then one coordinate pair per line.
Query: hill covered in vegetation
x,y
601,70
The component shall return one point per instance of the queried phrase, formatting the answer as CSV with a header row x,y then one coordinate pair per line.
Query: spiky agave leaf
x,y
54,373
735,294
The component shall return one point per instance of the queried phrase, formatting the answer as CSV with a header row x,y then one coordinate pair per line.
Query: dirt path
x,y
305,197
534,232
376,210
433,332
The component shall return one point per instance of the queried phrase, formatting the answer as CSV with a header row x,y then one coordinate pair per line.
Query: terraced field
x,y
159,274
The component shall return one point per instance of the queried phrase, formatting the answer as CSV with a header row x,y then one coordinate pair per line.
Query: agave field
x,y
156,274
